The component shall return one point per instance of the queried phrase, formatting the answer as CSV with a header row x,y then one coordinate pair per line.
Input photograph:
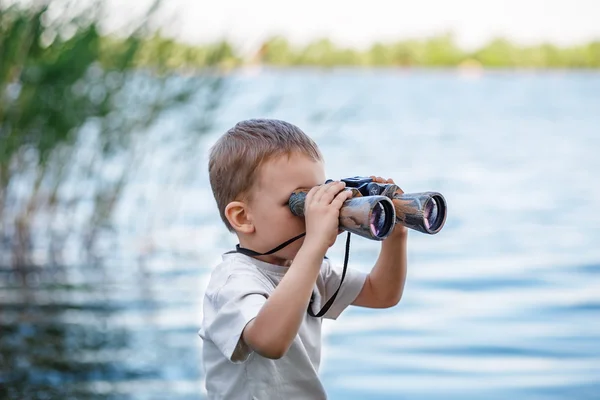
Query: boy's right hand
x,y
322,212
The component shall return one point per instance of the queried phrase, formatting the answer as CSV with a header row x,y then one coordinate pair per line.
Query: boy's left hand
x,y
400,231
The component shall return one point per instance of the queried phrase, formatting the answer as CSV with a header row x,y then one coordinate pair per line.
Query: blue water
x,y
503,303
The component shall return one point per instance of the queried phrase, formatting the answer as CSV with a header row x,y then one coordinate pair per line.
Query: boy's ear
x,y
238,216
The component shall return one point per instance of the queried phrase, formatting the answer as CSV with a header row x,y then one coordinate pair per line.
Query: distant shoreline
x,y
437,52
251,70
413,69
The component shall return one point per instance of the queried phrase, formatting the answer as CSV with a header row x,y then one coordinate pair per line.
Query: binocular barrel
x,y
424,212
375,216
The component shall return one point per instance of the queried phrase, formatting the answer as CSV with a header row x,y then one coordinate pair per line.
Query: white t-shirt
x,y
238,288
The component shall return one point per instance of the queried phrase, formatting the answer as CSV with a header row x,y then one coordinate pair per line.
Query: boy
x,y
259,340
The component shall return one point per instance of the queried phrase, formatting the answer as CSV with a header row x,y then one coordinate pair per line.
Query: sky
x,y
360,23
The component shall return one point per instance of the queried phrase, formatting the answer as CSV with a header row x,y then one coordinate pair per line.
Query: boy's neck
x,y
270,259
282,262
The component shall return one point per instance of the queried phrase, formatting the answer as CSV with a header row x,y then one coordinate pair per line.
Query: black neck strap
x,y
252,253
327,306
329,303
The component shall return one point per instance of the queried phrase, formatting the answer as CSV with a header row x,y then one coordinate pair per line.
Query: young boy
x,y
259,340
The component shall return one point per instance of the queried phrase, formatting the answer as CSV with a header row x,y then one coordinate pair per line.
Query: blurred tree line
x,y
76,108
437,51
165,53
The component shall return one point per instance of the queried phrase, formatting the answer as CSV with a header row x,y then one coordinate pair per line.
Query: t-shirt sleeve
x,y
351,287
229,308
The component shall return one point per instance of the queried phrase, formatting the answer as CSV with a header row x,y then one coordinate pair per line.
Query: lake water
x,y
503,303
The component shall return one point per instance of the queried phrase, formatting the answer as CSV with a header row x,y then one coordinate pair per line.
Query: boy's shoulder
x,y
234,269
232,263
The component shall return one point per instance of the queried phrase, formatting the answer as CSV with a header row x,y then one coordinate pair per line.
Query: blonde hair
x,y
236,158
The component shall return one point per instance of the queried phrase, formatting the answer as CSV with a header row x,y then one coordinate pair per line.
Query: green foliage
x,y
66,90
436,51
166,54
277,51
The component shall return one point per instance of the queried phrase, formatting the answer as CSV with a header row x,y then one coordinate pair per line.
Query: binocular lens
x,y
380,222
433,212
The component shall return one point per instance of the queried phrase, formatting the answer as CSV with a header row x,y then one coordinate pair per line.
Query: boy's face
x,y
273,221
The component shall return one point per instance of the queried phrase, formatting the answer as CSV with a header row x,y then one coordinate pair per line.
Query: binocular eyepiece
x,y
375,209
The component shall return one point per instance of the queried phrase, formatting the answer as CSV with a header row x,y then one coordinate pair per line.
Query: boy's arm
x,y
385,283
273,330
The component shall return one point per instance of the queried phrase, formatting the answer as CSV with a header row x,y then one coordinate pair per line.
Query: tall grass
x,y
73,102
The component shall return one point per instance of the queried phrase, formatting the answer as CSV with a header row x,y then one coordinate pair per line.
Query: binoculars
x,y
376,208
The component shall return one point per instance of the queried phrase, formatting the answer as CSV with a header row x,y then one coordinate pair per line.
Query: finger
x,y
319,189
332,191
390,180
341,197
317,193
328,191
310,195
377,179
